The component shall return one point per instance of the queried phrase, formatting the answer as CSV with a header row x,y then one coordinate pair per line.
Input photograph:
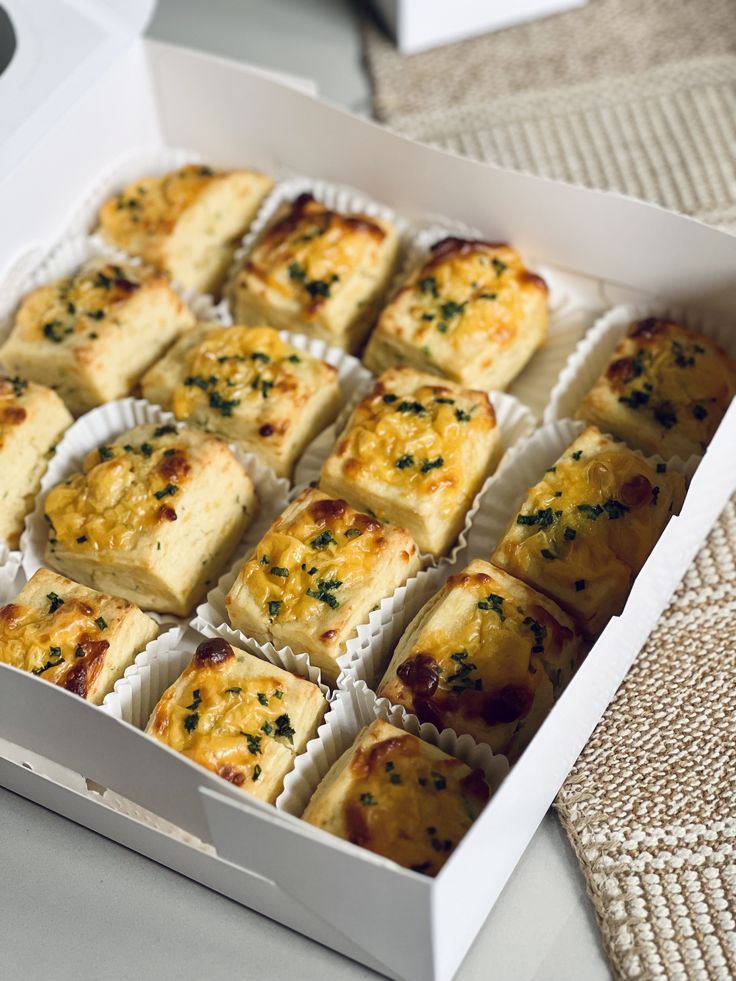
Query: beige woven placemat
x,y
637,96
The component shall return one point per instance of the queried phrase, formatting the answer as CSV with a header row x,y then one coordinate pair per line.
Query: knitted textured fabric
x,y
637,96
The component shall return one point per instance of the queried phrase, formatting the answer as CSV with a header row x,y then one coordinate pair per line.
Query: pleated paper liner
x,y
106,423
336,197
515,422
370,640
590,358
525,467
71,253
10,574
568,316
354,707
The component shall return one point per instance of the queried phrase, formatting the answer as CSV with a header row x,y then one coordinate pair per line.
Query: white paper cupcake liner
x,y
337,197
353,708
568,316
524,468
11,575
101,426
515,421
591,356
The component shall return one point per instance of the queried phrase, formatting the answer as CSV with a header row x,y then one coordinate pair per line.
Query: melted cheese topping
x,y
310,253
486,657
409,808
76,309
304,567
150,207
421,440
235,726
598,508
125,489
251,374
64,643
12,410
468,296
675,377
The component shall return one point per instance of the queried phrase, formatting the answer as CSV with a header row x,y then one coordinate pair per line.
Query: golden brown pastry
x,y
186,223
315,576
153,516
32,420
487,655
400,797
587,527
251,387
472,313
92,334
664,391
72,636
317,272
241,717
416,451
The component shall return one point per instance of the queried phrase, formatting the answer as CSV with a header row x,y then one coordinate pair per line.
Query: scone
x,y
665,390
91,335
399,797
585,530
73,636
249,386
32,419
488,655
186,223
153,517
239,716
472,313
416,451
317,272
315,576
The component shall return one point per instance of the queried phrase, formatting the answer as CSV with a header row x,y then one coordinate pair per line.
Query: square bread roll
x,y
153,517
487,655
92,334
72,636
186,223
472,313
315,576
416,451
239,716
587,527
247,385
399,797
664,391
318,272
32,419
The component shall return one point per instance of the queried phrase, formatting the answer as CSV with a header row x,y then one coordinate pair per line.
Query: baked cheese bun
x,y
247,385
587,527
186,223
92,334
153,517
416,451
488,655
472,313
315,576
317,272
32,420
664,391
72,636
241,717
399,797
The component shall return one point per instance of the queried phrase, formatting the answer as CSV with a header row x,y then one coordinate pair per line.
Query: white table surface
x,y
77,906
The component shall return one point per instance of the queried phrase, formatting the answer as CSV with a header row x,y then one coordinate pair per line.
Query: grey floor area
x,y
76,906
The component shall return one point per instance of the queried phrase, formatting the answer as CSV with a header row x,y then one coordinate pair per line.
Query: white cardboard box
x,y
127,92
421,24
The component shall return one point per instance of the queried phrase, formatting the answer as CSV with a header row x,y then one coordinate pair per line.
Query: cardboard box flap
x,y
61,48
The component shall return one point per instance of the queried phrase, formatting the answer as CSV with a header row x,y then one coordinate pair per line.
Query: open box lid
x,y
60,47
